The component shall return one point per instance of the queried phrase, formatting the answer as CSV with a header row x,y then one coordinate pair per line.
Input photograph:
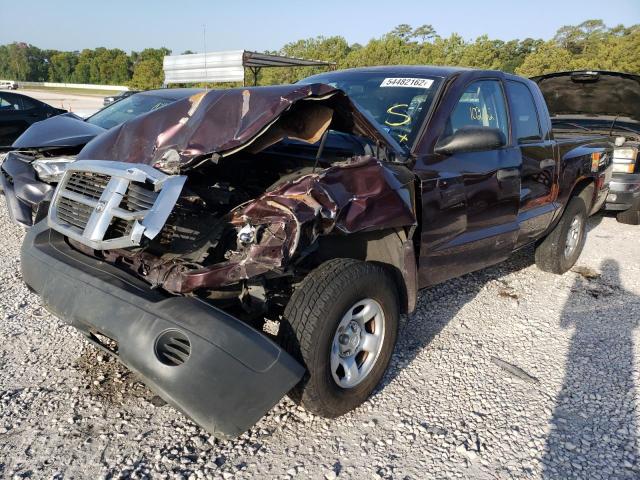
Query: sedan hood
x,y
219,123
67,130
596,93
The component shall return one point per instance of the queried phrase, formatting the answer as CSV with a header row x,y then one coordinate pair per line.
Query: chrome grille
x,y
74,213
105,204
88,184
138,197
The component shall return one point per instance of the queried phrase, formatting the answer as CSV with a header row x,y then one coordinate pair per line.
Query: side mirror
x,y
471,139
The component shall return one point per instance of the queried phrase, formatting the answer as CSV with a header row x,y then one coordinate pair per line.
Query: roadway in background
x,y
82,105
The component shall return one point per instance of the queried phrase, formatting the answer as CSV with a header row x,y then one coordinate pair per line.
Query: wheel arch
x,y
585,188
392,248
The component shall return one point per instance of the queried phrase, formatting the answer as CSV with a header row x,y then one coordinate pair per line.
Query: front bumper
x,y
26,195
233,374
624,190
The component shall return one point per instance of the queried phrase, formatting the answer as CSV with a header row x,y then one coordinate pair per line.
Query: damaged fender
x,y
284,223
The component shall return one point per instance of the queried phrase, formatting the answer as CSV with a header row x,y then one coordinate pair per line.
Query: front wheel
x,y
342,323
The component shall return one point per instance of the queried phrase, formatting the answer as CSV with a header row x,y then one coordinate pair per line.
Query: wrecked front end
x,y
184,254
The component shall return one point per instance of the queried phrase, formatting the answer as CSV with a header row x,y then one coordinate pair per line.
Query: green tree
x,y
18,66
403,31
588,45
147,71
62,66
82,71
333,49
548,58
424,33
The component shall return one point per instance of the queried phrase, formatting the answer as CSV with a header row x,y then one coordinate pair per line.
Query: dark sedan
x,y
18,112
39,156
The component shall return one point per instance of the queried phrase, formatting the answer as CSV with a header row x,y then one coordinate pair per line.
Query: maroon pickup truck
x,y
243,244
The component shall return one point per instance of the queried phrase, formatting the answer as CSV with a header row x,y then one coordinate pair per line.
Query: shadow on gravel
x,y
593,432
108,379
439,304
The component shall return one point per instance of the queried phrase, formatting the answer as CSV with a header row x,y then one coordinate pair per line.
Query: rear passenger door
x,y
538,162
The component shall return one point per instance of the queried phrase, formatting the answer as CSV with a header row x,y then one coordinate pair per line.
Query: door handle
x,y
507,173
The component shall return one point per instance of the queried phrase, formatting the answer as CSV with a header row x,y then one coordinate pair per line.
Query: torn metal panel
x,y
222,122
282,225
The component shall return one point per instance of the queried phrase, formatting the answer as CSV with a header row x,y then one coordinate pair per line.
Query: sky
x,y
268,25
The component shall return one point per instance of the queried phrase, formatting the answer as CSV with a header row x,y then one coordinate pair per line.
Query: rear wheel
x,y
342,324
560,249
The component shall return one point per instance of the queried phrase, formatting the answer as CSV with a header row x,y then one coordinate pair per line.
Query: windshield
x,y
397,103
126,109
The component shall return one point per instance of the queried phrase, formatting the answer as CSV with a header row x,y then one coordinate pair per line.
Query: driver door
x,y
471,198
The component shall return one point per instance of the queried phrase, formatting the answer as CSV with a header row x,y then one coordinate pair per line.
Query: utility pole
x,y
204,42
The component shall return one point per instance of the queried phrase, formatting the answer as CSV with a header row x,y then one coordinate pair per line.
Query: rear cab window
x,y
526,120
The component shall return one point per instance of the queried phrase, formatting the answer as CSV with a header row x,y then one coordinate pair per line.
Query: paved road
x,y
508,373
83,105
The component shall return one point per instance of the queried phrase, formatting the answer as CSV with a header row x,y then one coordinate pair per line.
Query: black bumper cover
x,y
233,375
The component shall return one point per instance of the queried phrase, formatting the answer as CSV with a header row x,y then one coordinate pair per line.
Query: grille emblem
x,y
100,206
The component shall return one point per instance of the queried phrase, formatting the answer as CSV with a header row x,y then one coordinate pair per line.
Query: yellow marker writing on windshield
x,y
406,118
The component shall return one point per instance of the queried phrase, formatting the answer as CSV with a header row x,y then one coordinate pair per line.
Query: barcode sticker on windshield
x,y
407,82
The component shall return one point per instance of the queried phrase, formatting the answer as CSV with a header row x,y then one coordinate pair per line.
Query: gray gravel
x,y
505,373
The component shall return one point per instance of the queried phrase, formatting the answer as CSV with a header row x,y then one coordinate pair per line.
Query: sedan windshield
x,y
397,103
126,109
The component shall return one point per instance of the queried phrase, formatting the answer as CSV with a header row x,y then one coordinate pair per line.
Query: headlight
x,y
50,170
624,159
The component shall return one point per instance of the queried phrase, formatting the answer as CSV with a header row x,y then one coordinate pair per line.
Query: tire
x,y
630,216
322,303
553,253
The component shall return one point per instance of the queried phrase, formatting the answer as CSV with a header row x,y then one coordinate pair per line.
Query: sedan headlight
x,y
50,170
624,159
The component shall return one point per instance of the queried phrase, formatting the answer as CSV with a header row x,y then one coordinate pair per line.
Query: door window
x,y
526,125
28,104
9,103
481,105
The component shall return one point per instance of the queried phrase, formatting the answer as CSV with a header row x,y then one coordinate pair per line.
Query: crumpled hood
x,y
66,130
603,93
221,122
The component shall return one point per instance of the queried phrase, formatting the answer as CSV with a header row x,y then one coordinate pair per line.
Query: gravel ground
x,y
505,373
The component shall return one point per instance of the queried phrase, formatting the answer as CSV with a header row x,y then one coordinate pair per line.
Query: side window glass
x,y
481,105
526,126
28,104
9,103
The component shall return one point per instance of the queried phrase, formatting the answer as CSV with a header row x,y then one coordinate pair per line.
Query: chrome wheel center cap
x,y
349,339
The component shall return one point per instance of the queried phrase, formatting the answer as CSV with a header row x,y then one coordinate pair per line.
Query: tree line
x,y
589,45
